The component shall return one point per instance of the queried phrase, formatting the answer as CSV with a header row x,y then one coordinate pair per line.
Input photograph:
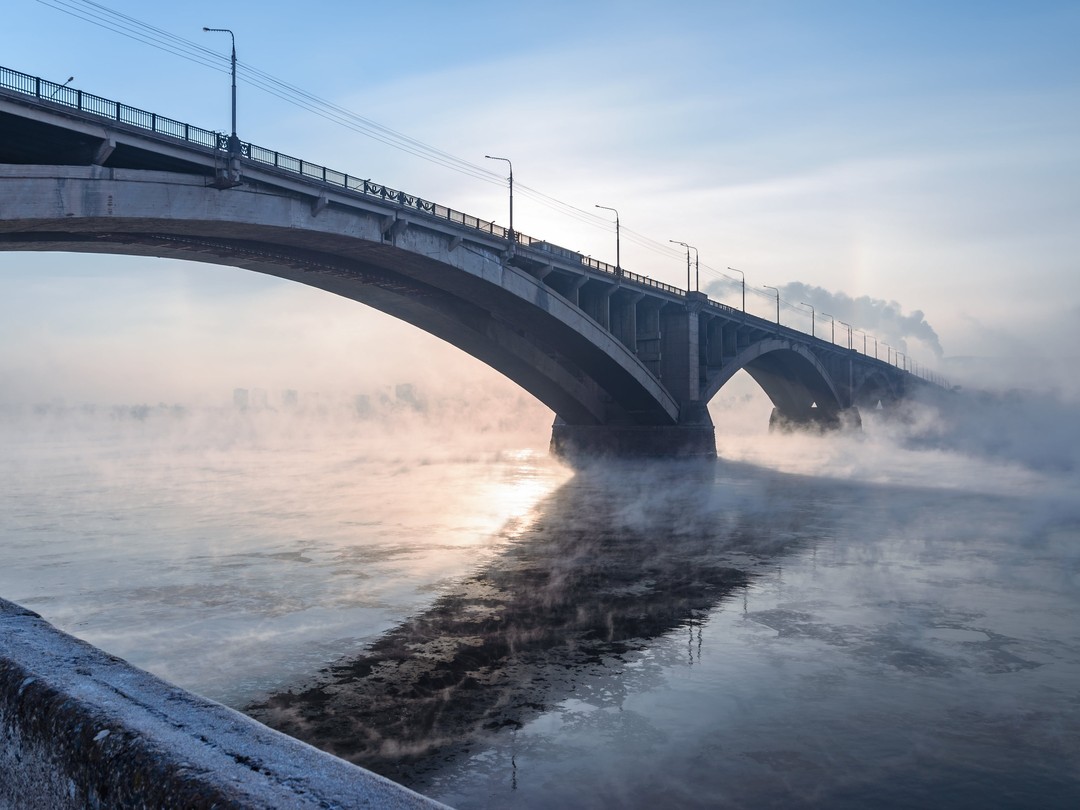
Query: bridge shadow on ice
x,y
615,558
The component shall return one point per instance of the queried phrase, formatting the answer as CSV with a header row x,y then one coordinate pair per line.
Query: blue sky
x,y
917,153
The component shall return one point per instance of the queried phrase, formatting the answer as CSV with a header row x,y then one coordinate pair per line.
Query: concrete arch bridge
x,y
628,364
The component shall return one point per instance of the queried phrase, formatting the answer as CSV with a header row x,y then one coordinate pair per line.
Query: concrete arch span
x,y
464,294
875,388
800,387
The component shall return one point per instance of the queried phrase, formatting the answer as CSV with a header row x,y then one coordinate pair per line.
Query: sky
x,y
909,167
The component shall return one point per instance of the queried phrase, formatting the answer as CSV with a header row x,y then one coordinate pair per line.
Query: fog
x,y
126,330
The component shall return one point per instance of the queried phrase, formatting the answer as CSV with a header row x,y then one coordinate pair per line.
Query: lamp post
x,y
741,273
511,165
888,353
618,264
832,323
849,333
804,304
60,87
767,287
234,142
875,349
697,265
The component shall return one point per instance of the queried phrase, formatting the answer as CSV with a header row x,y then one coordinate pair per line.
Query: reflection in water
x,y
676,635
613,559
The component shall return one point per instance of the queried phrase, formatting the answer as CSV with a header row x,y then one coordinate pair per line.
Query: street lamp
x,y
848,325
697,257
832,322
234,142
767,287
618,264
888,354
804,304
511,165
741,273
60,87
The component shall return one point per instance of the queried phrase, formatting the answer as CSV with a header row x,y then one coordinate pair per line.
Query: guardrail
x,y
73,98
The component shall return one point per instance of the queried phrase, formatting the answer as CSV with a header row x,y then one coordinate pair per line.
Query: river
x,y
887,619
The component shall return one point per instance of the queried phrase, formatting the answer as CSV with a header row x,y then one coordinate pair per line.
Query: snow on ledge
x,y
82,728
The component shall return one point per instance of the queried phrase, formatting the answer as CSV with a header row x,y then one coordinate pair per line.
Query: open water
x,y
886,620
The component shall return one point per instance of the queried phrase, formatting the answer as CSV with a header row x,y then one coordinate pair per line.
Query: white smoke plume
x,y
885,320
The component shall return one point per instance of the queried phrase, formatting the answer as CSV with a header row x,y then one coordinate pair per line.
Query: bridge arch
x,y
465,294
790,375
873,388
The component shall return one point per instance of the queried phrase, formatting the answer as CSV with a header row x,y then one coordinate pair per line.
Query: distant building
x,y
405,393
240,399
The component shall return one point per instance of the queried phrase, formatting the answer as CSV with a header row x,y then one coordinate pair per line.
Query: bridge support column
x,y
680,369
680,355
624,318
815,420
580,442
575,290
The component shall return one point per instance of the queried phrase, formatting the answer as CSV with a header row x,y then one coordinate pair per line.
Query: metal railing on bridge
x,y
84,102
64,96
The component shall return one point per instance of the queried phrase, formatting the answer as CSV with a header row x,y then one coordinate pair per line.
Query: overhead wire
x,y
102,16
128,26
133,28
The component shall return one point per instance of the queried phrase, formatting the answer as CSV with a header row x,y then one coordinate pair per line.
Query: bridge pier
x,y
815,420
573,442
677,356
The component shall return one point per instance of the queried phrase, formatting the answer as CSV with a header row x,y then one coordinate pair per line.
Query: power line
x,y
133,28
128,26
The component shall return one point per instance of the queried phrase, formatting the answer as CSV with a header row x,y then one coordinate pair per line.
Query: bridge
x,y
628,364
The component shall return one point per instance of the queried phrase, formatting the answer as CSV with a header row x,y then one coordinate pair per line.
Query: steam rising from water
x,y
999,442
814,619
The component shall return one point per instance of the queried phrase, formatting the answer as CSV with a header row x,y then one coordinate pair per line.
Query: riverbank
x,y
83,728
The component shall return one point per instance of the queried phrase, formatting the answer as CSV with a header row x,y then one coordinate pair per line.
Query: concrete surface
x,y
84,729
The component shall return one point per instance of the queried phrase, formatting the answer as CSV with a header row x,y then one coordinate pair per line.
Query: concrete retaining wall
x,y
83,729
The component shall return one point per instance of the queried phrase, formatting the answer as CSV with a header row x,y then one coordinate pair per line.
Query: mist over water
x,y
878,619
